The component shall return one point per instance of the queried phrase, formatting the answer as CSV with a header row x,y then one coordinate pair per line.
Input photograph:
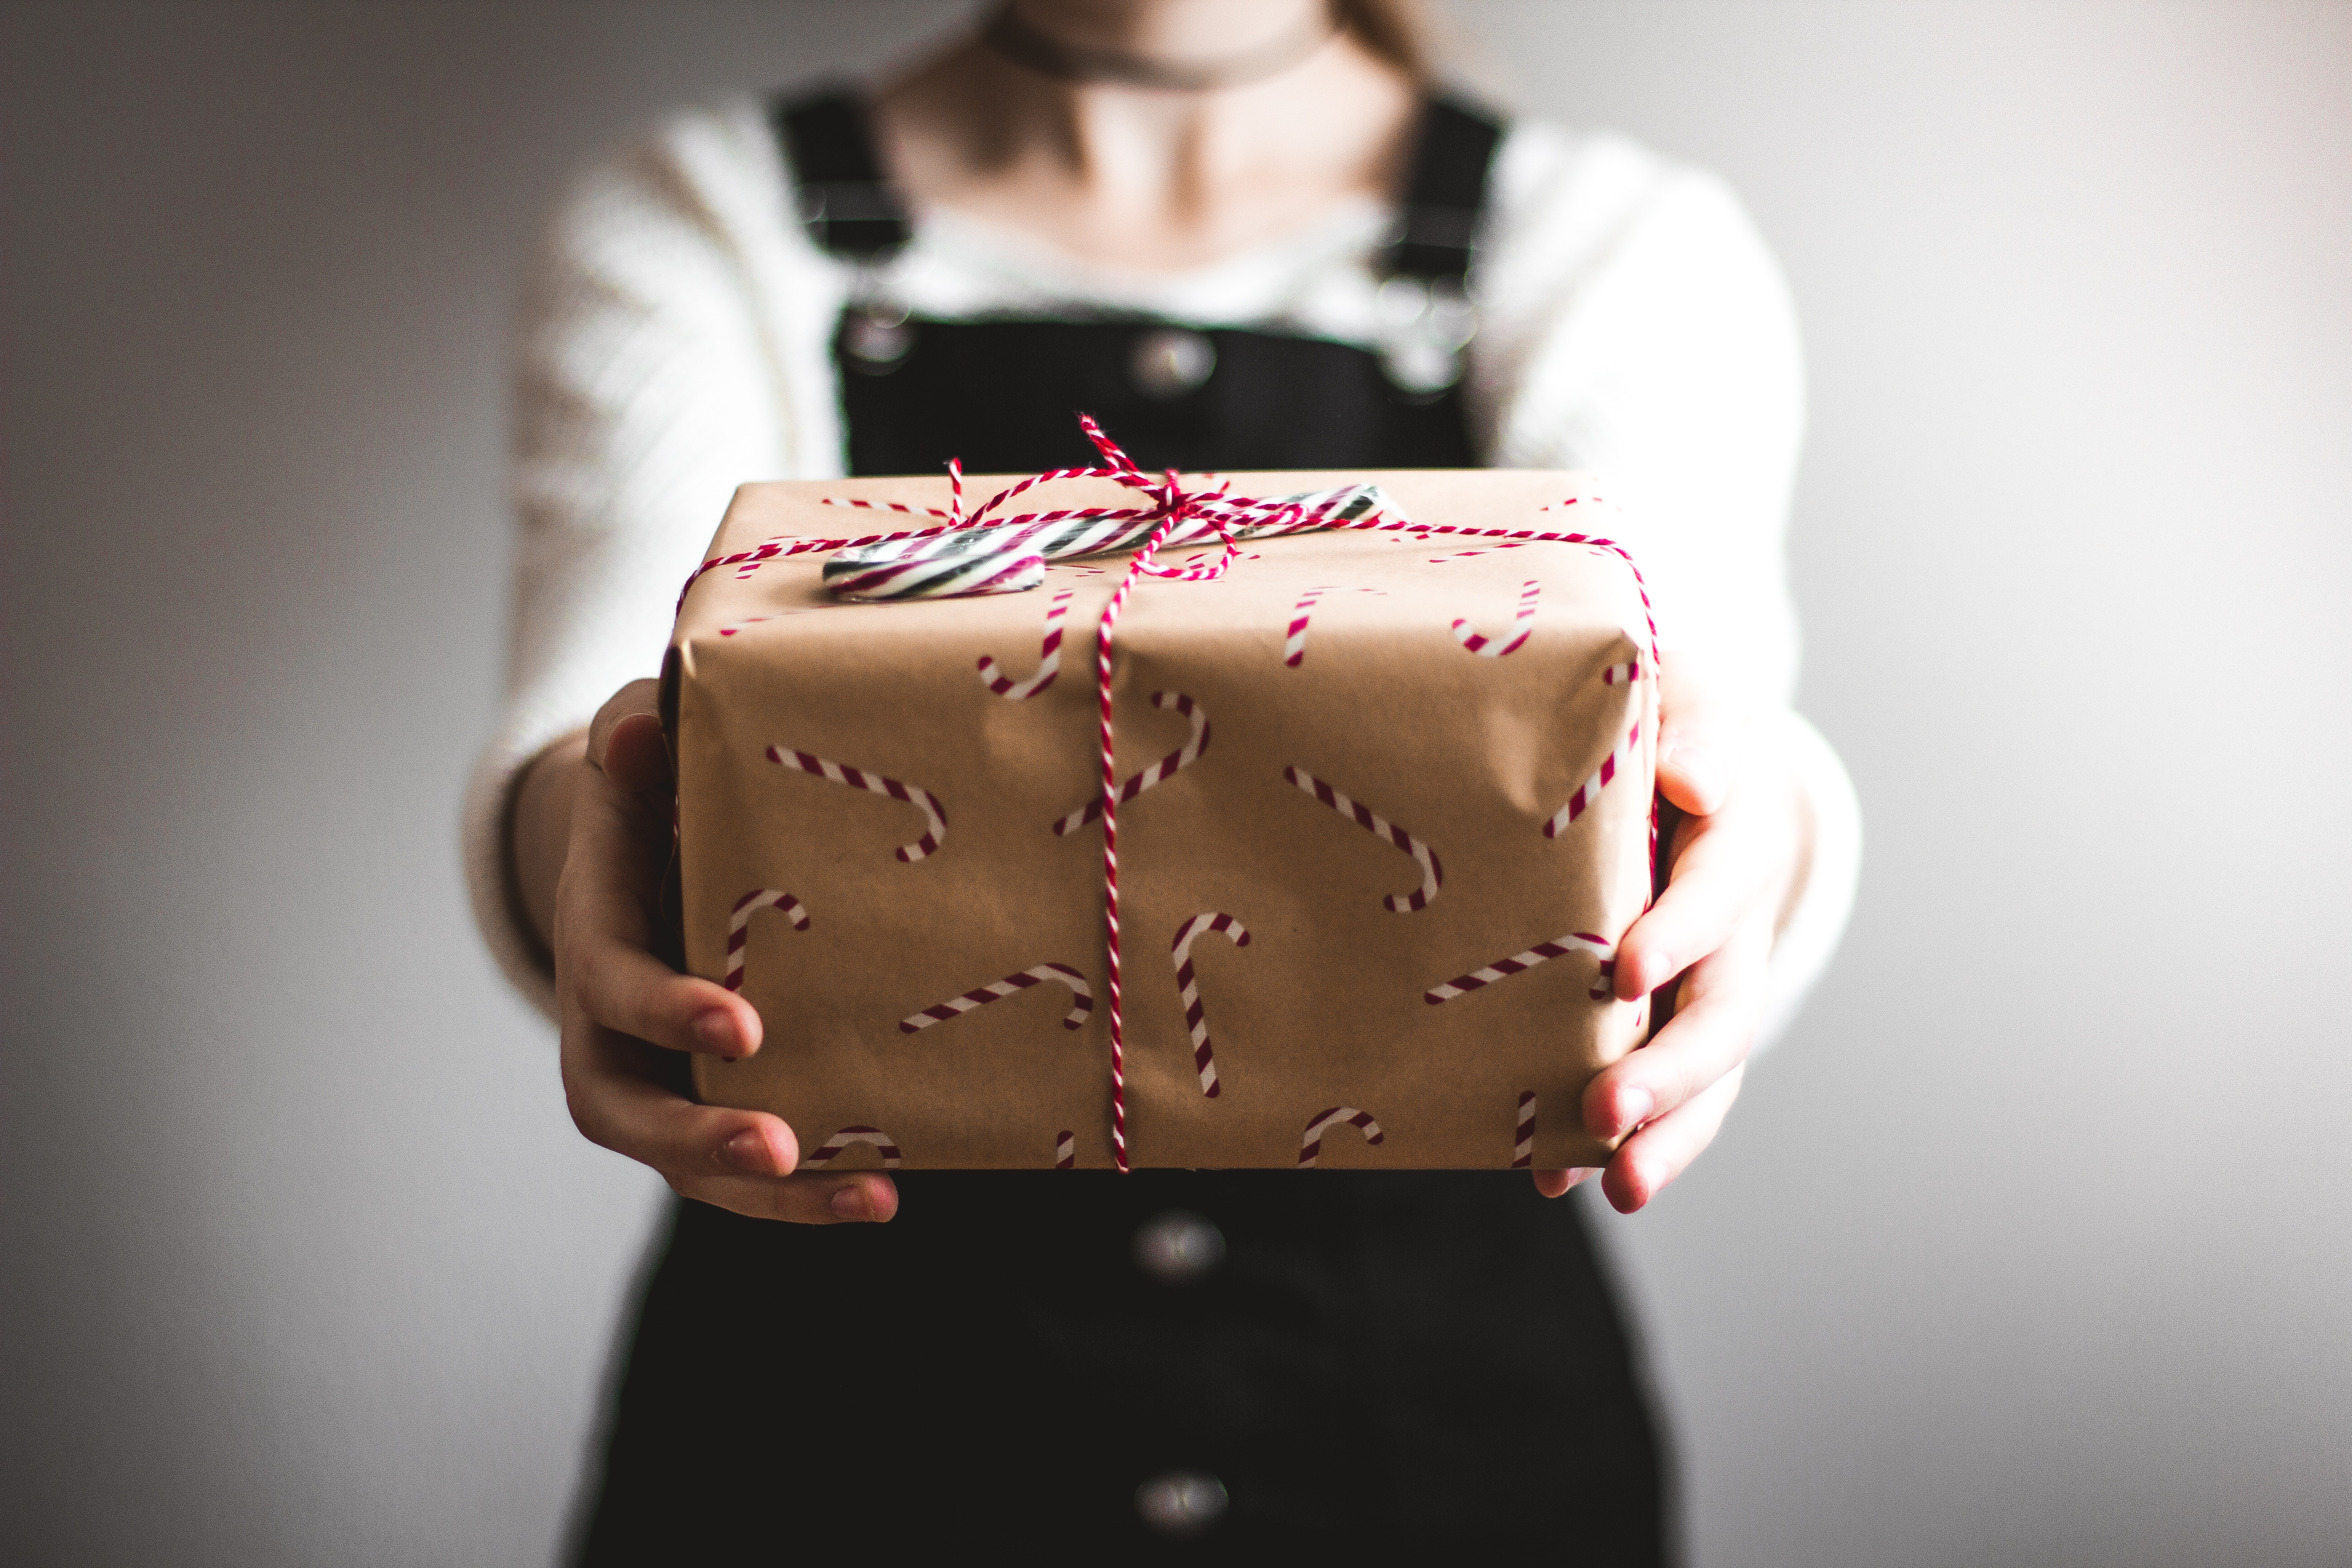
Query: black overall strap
x,y
1446,194
851,211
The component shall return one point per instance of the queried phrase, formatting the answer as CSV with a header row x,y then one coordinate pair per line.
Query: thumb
x,y
1701,734
636,757
624,741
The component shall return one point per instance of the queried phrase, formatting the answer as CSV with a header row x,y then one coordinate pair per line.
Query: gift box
x,y
1383,808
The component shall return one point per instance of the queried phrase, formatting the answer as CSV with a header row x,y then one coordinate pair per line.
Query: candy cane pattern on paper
x,y
1065,1151
739,925
1081,994
1183,757
1504,968
1049,656
1433,872
1294,644
1590,790
1524,1154
1187,987
1466,554
923,799
1522,626
1310,1147
848,1135
730,630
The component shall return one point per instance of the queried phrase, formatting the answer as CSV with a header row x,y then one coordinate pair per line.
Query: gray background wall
x,y
2030,1247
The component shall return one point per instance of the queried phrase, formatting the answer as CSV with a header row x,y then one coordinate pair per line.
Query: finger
x,y
1655,1156
811,1198
1702,738
614,1085
620,842
1714,1028
1557,1183
636,758
739,1160
623,987
605,949
638,697
1723,870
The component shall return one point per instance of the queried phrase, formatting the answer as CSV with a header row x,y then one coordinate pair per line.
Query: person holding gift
x,y
1245,233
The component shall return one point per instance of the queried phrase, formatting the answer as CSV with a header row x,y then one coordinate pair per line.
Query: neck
x,y
1041,52
1169,146
1145,176
1182,36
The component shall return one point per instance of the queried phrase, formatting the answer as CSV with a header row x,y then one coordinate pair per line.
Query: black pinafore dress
x,y
1167,1365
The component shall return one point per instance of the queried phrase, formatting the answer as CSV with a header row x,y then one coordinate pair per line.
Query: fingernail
x,y
715,1030
1700,767
748,1152
1633,1108
850,1203
1653,969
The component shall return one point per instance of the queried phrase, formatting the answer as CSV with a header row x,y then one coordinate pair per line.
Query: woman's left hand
x,y
1743,842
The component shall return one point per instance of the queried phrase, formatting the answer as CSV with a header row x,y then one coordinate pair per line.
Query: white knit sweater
x,y
675,343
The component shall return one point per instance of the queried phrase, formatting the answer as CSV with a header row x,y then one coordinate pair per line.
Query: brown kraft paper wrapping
x,y
868,916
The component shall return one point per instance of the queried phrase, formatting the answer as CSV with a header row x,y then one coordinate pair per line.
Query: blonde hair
x,y
1396,30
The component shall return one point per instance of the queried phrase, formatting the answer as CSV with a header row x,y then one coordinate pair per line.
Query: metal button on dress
x,y
1182,1502
1422,330
1179,1246
1168,362
878,337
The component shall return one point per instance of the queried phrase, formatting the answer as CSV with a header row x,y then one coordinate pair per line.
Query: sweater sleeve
x,y
1635,325
654,371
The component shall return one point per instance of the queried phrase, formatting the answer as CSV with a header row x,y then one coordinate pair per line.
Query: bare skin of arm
x,y
1134,178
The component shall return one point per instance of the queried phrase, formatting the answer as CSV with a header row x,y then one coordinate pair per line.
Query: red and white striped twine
x,y
1049,656
739,925
1183,757
842,1140
1188,987
1590,790
1522,625
1504,968
1065,1151
1082,997
1310,1146
1433,872
857,778
1109,623
1624,674
1171,505
1523,1154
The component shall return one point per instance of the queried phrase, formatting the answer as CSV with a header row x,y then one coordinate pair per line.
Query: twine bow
x,y
965,553
973,554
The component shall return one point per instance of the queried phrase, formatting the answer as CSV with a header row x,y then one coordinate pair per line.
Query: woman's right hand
x,y
623,1006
